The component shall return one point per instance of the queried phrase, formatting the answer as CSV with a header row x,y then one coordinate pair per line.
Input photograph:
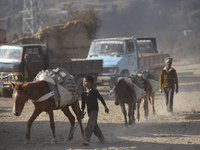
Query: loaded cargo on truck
x,y
126,55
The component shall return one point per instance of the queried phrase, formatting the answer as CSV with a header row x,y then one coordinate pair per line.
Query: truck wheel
x,y
79,83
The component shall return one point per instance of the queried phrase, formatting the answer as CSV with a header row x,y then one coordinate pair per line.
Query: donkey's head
x,y
123,92
20,97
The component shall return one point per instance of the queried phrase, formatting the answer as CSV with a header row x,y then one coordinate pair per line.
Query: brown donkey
x,y
22,92
150,85
124,94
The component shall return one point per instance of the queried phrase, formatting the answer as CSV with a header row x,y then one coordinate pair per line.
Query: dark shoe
x,y
103,141
86,143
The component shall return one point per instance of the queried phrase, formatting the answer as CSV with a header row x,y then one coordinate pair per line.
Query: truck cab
x,y
19,64
119,55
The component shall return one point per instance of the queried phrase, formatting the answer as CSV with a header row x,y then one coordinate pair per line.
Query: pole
x,y
81,118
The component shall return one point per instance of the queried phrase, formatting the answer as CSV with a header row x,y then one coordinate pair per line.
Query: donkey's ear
x,y
13,85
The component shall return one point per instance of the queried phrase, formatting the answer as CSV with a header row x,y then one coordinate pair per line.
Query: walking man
x,y
168,80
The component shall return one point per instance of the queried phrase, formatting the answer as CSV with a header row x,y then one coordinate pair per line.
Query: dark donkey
x,y
22,92
124,94
150,85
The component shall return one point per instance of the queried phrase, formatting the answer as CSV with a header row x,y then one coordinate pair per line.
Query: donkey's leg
x,y
152,99
77,111
131,116
36,112
145,106
71,120
124,113
131,113
52,125
138,110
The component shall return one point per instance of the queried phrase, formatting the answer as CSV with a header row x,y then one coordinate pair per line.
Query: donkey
x,y
22,92
150,85
124,94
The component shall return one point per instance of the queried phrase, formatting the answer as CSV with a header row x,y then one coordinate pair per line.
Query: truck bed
x,y
78,66
152,60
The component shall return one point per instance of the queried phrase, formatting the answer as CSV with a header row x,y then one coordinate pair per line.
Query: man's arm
x,y
176,81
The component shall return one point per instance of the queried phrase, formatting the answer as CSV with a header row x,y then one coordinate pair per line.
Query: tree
x,y
88,17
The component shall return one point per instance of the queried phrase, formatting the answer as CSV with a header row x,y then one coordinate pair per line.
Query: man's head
x,y
168,59
168,62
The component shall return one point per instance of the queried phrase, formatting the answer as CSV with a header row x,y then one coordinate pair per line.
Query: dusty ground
x,y
162,132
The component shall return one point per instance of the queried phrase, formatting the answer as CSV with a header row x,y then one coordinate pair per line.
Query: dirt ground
x,y
161,132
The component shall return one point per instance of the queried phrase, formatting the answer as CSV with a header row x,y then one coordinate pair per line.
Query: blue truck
x,y
125,55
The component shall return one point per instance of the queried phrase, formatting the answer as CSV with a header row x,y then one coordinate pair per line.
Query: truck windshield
x,y
10,54
106,48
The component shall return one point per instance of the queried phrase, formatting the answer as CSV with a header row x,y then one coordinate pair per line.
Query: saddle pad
x,y
139,93
66,97
154,84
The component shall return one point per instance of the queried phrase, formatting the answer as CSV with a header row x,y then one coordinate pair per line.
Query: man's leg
x,y
171,97
166,93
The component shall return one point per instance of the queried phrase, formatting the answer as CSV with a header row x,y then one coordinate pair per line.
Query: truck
x,y
21,63
125,55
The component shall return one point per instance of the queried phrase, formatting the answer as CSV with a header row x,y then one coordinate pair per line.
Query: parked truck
x,y
126,55
23,62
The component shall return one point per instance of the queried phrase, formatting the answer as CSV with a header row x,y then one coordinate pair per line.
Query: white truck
x,y
125,55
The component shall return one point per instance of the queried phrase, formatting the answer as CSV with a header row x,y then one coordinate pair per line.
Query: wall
x,y
65,41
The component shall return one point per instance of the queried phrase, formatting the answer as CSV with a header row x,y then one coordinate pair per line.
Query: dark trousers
x,y
92,127
169,95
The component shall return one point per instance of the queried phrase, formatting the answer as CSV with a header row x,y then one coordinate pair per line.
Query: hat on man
x,y
168,59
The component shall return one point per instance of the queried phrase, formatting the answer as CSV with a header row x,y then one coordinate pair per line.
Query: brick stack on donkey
x,y
54,89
